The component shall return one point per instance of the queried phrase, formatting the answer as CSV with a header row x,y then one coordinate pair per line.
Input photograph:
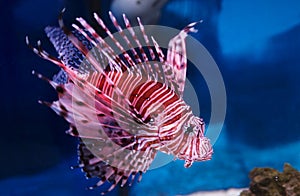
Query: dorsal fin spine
x,y
93,61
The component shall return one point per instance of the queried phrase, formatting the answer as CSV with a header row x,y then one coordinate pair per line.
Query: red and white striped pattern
x,y
126,107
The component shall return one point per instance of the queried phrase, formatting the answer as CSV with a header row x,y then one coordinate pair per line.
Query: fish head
x,y
197,146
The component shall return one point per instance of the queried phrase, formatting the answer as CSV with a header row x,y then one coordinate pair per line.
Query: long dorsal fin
x,y
176,62
93,60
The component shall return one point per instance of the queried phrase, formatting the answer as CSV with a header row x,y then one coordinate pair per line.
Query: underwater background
x,y
256,45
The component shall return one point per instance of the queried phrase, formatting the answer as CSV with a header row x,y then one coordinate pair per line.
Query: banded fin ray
x,y
70,95
138,60
89,112
94,166
147,66
81,110
176,62
94,62
68,53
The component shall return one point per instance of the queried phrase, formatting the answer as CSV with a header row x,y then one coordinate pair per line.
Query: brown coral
x,y
270,182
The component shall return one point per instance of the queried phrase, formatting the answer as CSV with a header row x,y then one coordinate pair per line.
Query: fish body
x,y
123,107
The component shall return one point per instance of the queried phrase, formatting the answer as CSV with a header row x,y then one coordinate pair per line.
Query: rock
x,y
270,182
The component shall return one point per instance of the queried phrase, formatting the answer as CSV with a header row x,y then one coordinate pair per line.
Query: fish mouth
x,y
207,156
189,161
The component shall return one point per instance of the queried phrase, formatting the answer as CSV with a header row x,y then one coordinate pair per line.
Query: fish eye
x,y
189,129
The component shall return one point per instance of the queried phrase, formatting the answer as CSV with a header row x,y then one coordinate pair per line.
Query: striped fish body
x,y
158,110
123,108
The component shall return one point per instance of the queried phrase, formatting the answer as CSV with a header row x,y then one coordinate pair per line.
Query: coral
x,y
270,182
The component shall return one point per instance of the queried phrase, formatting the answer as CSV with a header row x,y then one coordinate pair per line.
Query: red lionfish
x,y
123,107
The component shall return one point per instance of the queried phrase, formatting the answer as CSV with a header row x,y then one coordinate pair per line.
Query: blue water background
x,y
256,45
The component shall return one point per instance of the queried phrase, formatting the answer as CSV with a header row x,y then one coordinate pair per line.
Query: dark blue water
x,y
256,46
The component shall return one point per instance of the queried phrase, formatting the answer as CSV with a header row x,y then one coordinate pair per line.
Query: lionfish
x,y
123,105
